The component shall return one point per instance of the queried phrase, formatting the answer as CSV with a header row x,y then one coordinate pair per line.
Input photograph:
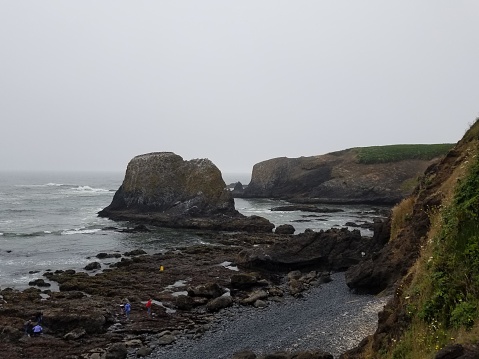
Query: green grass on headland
x,y
394,153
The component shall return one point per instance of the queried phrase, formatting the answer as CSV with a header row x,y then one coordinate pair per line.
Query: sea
x,y
49,221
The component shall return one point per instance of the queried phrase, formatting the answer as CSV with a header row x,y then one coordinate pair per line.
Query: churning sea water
x,y
49,221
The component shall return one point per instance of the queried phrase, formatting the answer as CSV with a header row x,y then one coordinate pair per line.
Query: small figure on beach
x,y
28,327
148,308
127,309
37,330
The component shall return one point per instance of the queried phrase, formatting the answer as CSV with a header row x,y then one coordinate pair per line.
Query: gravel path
x,y
329,318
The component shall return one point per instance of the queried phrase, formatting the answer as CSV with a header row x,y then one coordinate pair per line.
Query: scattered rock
x,y
166,339
39,283
136,252
92,266
75,334
285,229
243,280
184,302
117,351
133,343
209,290
253,297
143,352
219,303
108,255
260,304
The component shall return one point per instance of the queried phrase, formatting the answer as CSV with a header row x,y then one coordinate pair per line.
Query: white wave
x,y
50,184
90,189
80,231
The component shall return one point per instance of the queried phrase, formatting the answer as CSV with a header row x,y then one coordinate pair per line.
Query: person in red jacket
x,y
148,308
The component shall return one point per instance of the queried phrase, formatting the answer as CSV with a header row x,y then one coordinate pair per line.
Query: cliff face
x,y
338,177
162,189
430,264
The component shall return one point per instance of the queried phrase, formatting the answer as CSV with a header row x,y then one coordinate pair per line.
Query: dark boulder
x,y
104,255
209,290
219,303
117,351
39,283
458,351
93,266
284,229
135,252
243,280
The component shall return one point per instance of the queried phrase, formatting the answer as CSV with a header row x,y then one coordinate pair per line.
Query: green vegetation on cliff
x,y
441,297
394,153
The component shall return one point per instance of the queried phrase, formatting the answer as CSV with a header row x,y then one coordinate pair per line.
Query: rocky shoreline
x,y
188,286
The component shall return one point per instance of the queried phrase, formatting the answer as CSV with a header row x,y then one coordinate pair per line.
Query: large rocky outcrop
x,y
331,250
338,177
163,189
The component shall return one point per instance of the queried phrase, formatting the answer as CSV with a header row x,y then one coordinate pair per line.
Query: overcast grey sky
x,y
88,85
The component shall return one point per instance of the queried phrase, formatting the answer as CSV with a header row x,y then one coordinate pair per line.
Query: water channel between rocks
x,y
329,317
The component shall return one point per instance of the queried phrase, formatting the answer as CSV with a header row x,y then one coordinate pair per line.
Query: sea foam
x,y
90,189
80,231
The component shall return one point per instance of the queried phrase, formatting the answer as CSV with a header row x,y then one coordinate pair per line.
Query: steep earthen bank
x,y
407,257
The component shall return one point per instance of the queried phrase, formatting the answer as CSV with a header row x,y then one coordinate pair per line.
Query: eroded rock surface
x,y
334,249
163,189
336,177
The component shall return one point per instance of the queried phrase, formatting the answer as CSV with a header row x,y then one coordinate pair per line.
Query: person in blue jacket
x,y
37,330
127,310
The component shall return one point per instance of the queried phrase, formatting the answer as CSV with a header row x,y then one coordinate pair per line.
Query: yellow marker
x,y
161,268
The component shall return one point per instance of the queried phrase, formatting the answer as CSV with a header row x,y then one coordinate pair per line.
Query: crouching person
x,y
37,330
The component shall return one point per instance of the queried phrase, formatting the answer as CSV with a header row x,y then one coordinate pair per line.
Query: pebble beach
x,y
328,317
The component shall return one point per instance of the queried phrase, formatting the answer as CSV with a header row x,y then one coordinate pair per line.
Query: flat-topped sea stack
x,y
162,189
369,175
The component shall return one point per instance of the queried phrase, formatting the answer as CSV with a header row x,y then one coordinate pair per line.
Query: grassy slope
x,y
442,297
394,153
